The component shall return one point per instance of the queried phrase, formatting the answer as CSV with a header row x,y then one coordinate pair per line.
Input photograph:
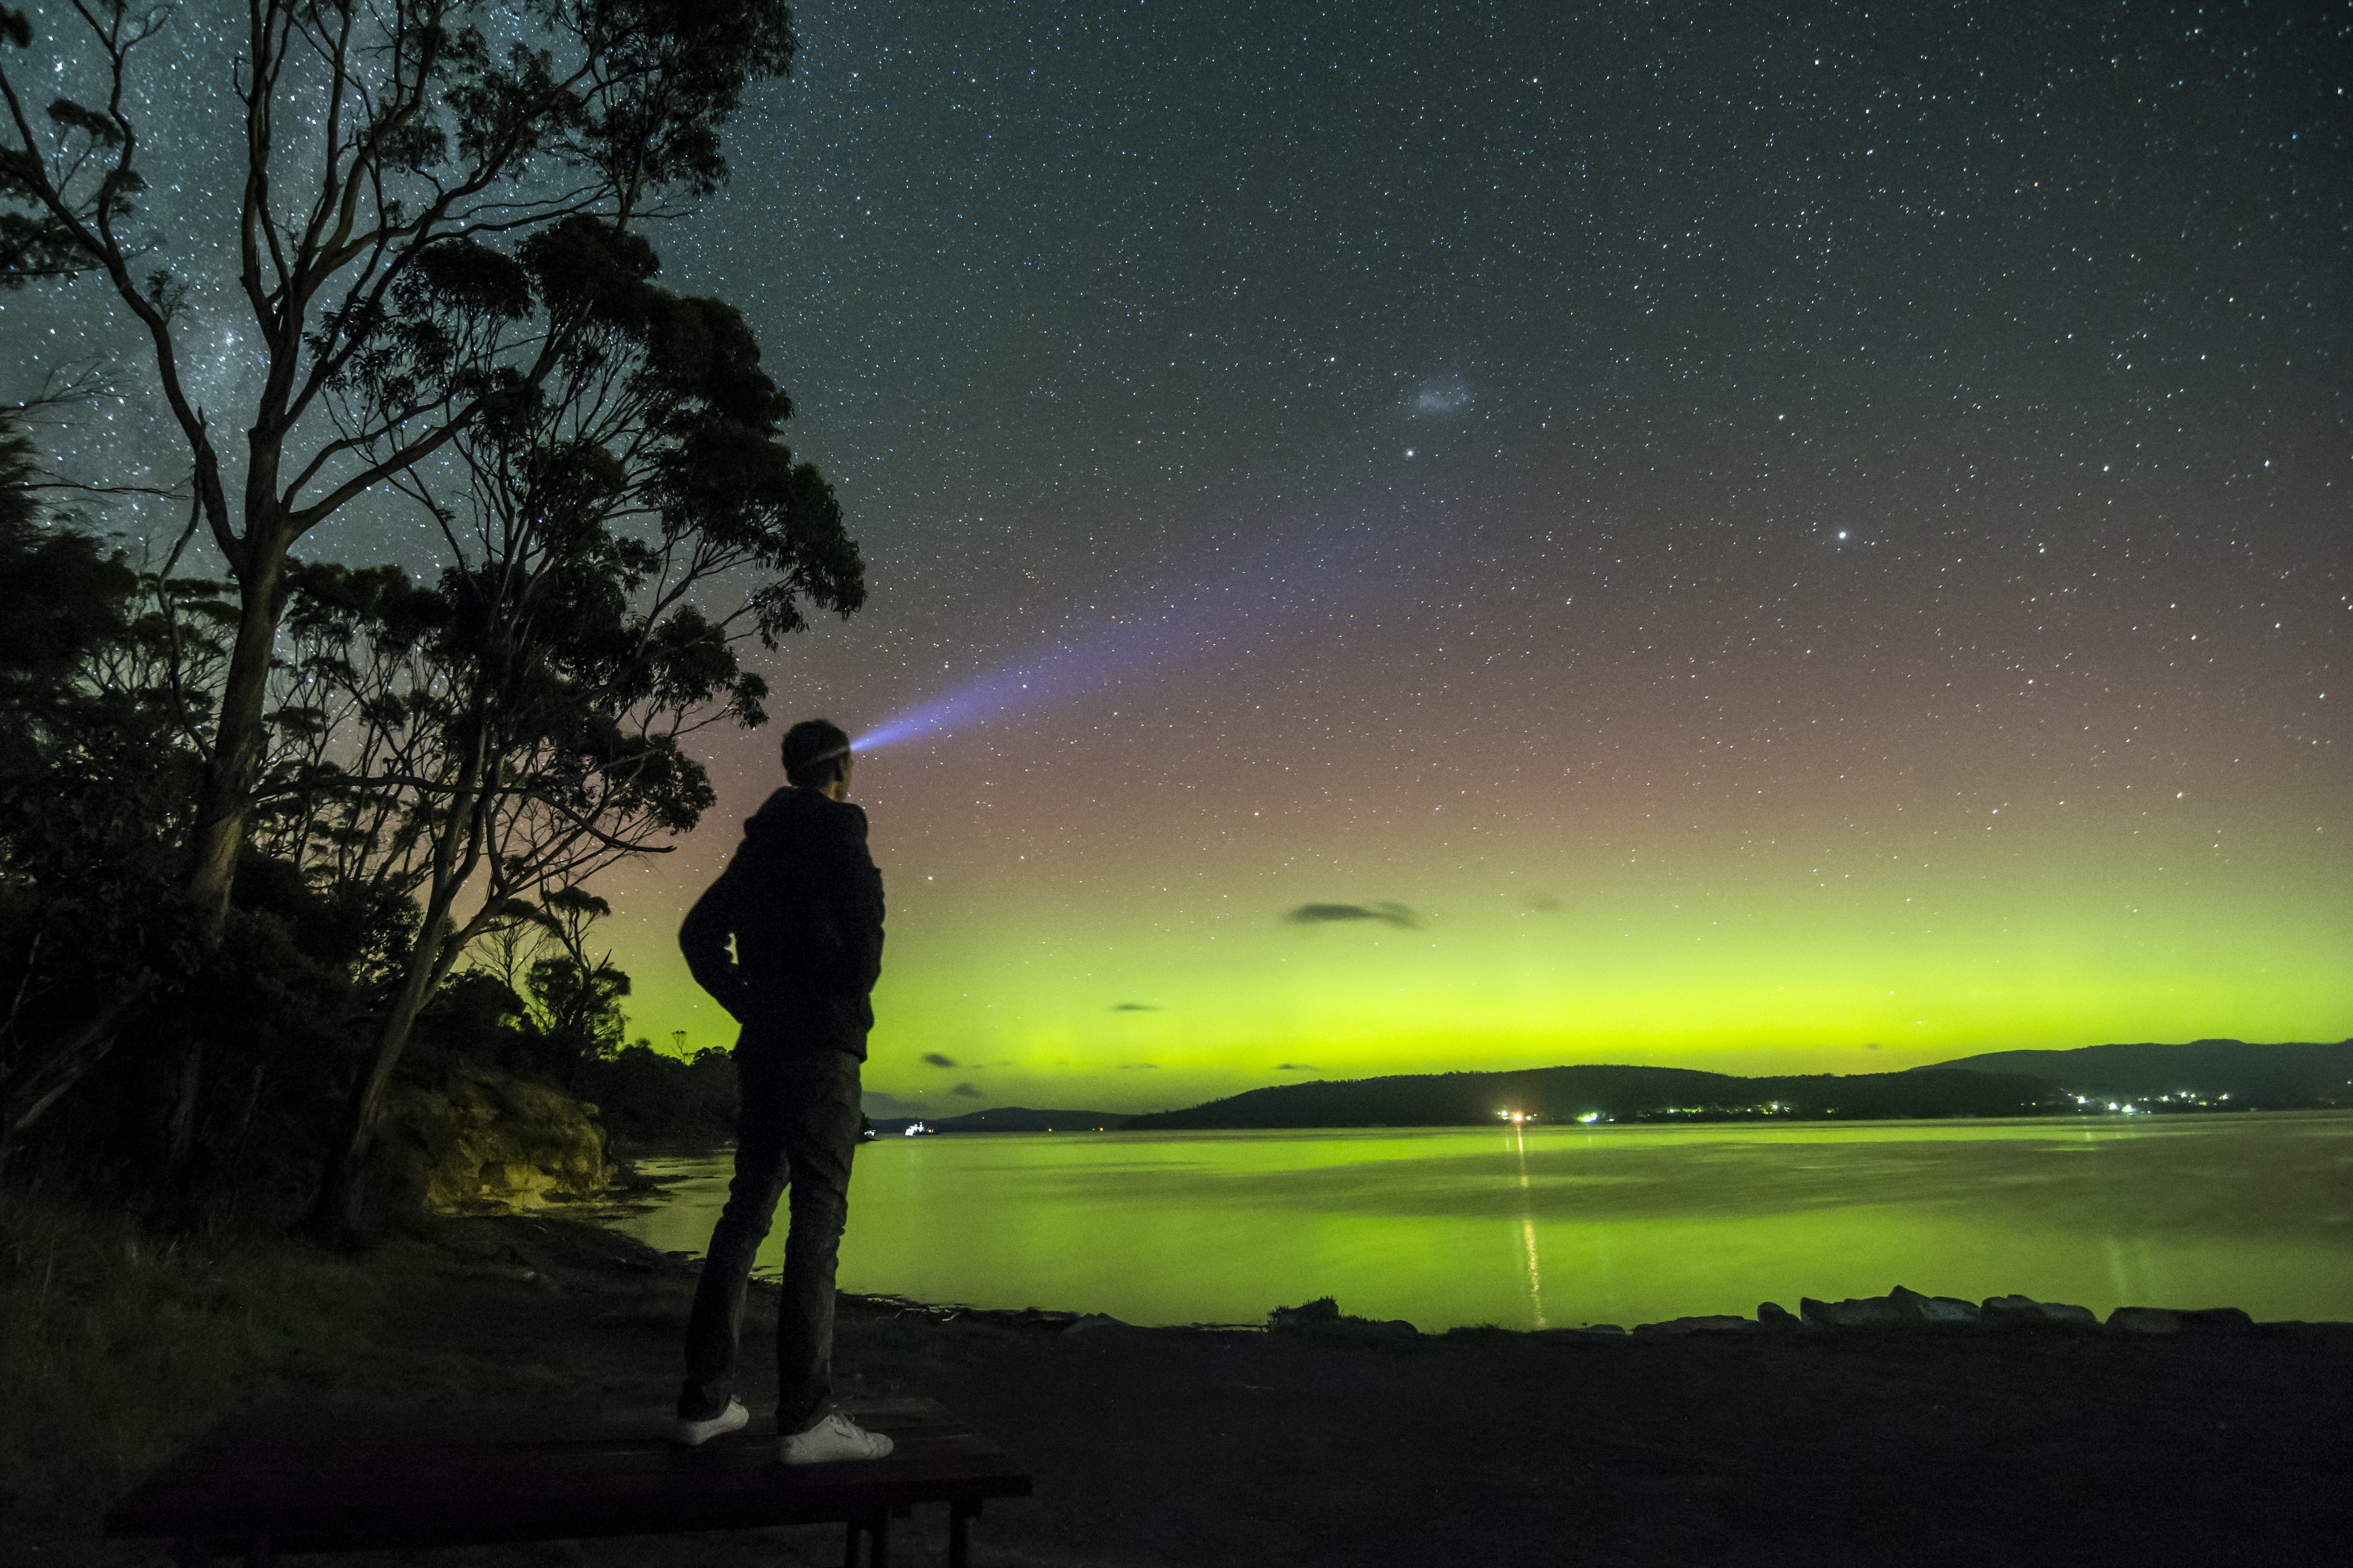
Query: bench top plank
x,y
326,1481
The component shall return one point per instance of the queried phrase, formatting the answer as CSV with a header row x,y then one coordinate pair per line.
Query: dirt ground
x,y
1190,1446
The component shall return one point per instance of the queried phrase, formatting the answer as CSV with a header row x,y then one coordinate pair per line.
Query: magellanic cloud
x,y
1397,915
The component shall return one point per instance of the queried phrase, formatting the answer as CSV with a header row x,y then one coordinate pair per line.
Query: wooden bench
x,y
266,1484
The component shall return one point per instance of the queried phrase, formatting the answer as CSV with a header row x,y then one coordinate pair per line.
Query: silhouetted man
x,y
803,904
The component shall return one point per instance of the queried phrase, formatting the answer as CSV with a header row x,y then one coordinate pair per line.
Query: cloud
x,y
937,1060
1135,1008
1439,397
1139,1066
1296,1067
1396,915
1544,904
966,1091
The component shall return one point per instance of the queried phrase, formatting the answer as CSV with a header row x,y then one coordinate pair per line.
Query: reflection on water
x,y
1528,1230
1569,1225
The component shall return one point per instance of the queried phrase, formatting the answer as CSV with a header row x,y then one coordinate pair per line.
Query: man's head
x,y
816,756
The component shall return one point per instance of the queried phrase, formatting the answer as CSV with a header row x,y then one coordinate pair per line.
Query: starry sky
x,y
1766,537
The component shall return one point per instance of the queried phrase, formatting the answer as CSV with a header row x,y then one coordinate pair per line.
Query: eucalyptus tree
x,y
378,136
627,520
571,994
105,673
64,602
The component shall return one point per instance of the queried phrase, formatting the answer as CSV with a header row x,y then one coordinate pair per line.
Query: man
x,y
803,905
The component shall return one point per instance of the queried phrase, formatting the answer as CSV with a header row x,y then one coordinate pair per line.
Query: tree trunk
x,y
335,1214
57,1065
335,1217
183,1099
240,739
225,811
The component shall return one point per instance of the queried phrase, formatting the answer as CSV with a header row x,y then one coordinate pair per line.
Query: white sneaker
x,y
694,1433
834,1437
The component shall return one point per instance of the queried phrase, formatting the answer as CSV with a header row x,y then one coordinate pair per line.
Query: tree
x,y
95,776
489,745
569,1012
383,143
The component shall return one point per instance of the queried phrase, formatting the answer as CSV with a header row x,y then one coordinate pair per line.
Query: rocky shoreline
x,y
560,1244
1900,1311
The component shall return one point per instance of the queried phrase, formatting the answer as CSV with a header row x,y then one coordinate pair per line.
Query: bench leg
x,y
960,1518
878,1536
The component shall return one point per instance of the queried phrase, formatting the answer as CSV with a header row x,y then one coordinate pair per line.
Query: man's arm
x,y
703,937
857,899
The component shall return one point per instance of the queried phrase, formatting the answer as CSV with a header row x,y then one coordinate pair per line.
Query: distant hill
x,y
1617,1093
2295,1074
1010,1119
1996,1083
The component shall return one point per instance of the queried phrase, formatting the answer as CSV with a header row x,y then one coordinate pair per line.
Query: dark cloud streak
x,y
1397,915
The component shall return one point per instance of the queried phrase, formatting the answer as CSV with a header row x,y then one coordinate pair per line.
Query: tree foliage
x,y
430,214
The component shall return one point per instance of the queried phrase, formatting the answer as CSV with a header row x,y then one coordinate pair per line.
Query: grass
x,y
118,1347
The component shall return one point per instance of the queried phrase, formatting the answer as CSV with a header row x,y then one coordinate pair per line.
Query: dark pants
x,y
797,1129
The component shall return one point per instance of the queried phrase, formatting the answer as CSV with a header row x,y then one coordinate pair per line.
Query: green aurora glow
x,y
2042,930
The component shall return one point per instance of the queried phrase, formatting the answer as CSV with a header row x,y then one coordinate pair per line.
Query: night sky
x,y
1758,537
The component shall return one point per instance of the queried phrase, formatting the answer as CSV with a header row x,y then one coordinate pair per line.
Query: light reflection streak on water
x,y
1528,1230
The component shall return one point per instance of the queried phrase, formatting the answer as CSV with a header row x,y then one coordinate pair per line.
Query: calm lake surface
x,y
1565,1227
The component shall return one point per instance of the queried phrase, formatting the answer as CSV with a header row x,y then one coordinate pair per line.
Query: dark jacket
x,y
803,903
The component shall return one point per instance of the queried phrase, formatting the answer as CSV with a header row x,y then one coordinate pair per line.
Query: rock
x,y
2025,1312
1086,1321
1323,1316
1677,1327
1773,1315
486,1143
2216,1320
2144,1320
1323,1312
1857,1313
1933,1309
2296,1328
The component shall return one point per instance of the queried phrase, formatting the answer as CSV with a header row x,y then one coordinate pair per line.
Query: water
x,y
1565,1227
